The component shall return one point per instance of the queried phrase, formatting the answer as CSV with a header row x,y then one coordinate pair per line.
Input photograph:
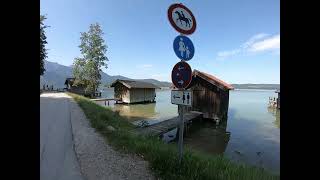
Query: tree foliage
x,y
87,69
43,42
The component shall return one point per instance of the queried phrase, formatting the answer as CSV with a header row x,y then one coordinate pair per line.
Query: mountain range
x,y
56,75
257,86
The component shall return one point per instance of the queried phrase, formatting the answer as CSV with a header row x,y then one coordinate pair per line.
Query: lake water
x,y
251,135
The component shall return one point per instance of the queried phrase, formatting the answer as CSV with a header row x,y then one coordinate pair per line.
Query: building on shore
x,y
278,99
210,96
275,102
69,83
129,91
79,89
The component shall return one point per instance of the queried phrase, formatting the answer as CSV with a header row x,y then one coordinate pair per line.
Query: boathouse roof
x,y
212,80
69,81
135,84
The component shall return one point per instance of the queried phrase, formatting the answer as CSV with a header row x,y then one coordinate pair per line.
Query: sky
x,y
237,41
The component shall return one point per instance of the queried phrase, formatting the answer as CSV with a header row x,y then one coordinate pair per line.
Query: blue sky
x,y
238,41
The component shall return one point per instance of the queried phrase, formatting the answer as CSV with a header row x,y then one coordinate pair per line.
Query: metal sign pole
x,y
181,128
181,74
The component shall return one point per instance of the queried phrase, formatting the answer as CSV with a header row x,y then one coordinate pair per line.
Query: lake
x,y
251,135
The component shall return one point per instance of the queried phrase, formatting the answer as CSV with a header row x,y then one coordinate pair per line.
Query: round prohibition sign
x,y
182,19
181,75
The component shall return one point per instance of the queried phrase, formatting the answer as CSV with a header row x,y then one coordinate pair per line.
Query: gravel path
x,y
58,160
98,160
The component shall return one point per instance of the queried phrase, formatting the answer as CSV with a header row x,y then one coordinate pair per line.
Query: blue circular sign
x,y
181,75
183,47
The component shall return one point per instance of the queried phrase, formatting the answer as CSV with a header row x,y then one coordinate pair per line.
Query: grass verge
x,y
163,158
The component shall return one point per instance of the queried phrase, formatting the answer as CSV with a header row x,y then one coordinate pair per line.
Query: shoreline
x,y
161,156
254,90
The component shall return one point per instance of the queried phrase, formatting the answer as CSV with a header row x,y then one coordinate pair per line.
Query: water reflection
x,y
253,142
276,113
150,112
207,137
254,127
202,136
133,112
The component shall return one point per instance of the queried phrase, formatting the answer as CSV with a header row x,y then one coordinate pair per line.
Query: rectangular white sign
x,y
181,97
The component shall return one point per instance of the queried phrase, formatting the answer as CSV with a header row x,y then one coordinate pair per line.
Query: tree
x,y
43,42
87,69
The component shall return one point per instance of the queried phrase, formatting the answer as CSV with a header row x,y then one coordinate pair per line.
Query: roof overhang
x,y
212,80
123,82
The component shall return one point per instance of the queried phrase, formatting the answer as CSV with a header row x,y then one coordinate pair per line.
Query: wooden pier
x,y
167,125
97,94
275,102
107,100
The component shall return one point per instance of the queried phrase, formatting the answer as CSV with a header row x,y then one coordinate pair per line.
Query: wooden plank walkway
x,y
107,100
167,125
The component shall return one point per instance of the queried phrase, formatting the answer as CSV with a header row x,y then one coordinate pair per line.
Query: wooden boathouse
x,y
275,102
210,96
79,89
129,91
74,89
210,100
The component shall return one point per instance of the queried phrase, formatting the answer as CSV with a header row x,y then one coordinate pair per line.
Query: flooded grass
x,y
163,158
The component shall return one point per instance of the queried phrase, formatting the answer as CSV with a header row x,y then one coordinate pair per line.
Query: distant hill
x,y
156,82
56,75
153,81
256,86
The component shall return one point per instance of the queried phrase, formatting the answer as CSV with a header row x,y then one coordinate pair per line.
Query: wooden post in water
x,y
181,128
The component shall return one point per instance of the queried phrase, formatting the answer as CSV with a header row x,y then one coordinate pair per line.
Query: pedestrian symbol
x,y
188,97
183,47
181,97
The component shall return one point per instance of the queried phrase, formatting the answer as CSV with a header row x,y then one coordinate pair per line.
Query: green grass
x,y
163,158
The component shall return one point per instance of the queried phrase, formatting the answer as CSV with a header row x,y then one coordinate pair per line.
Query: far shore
x,y
245,89
254,89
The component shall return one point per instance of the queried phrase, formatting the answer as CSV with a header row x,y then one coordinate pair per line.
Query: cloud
x,y
144,66
228,53
258,43
272,43
253,39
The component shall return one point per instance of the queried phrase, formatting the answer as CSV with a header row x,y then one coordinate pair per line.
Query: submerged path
x,y
167,125
57,156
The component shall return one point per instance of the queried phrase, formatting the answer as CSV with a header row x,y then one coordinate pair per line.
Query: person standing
x,y
188,97
181,47
183,98
187,52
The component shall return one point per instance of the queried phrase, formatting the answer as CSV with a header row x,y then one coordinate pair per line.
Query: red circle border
x,y
187,32
174,67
